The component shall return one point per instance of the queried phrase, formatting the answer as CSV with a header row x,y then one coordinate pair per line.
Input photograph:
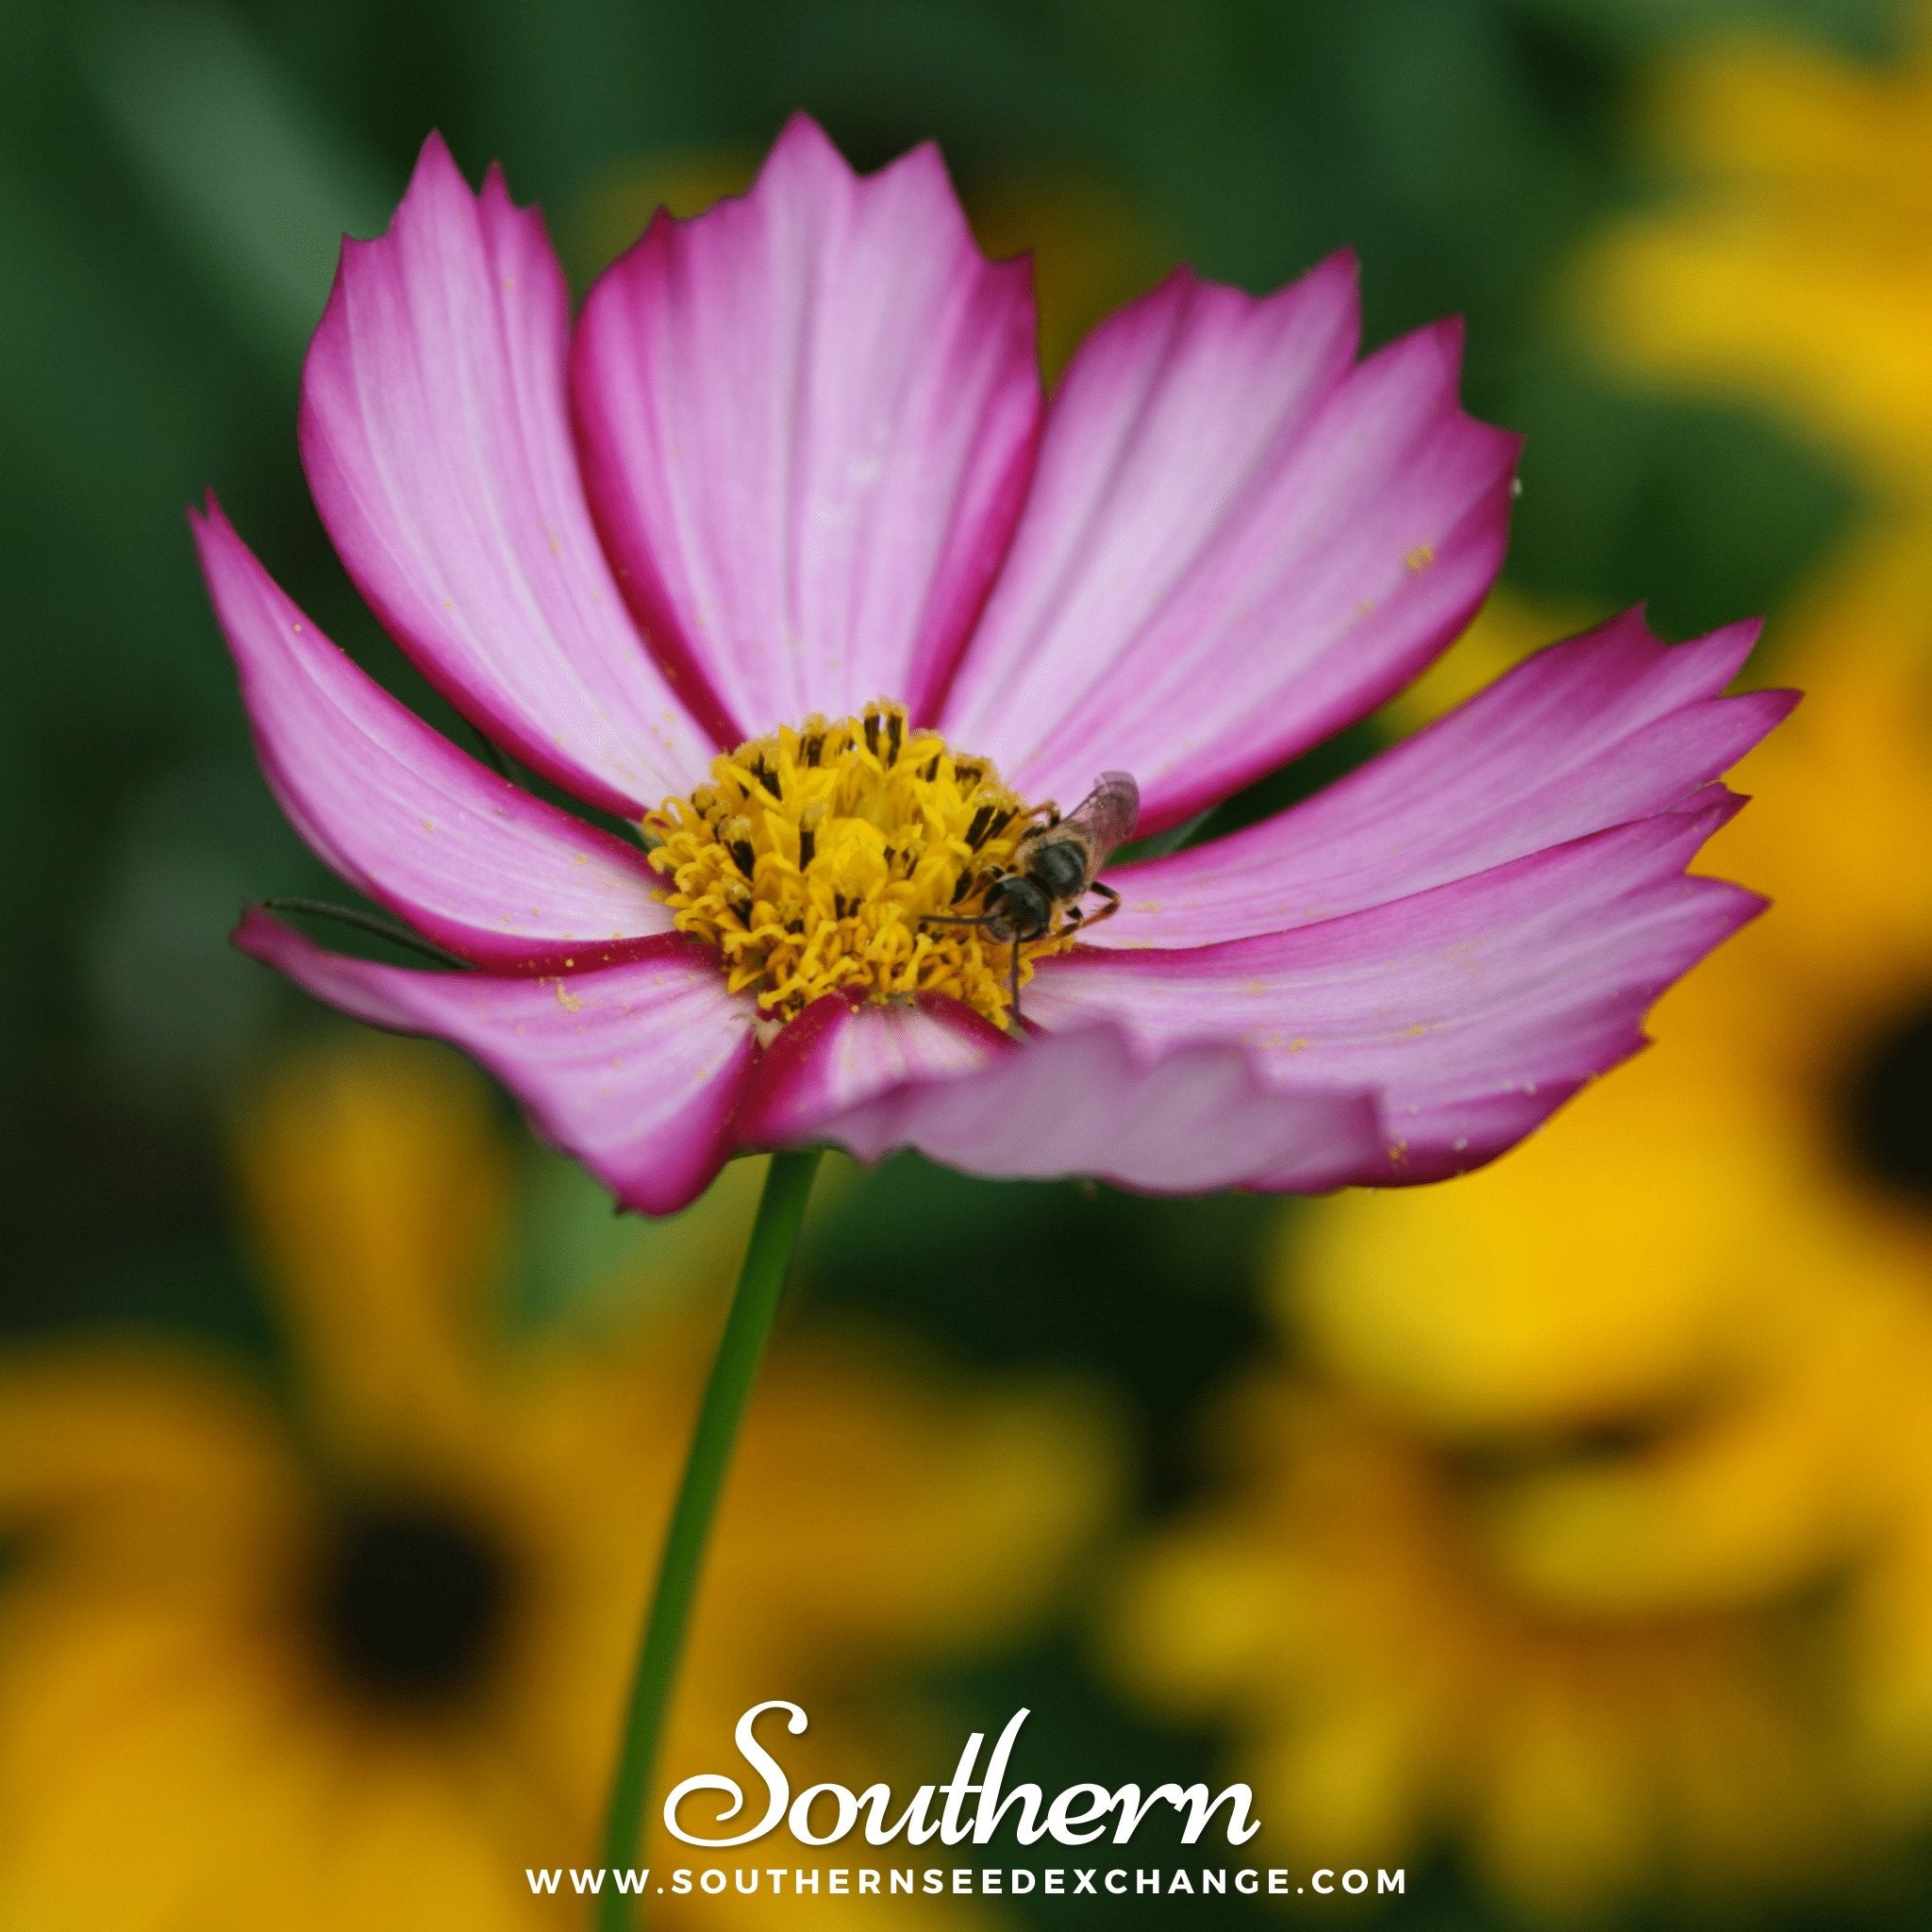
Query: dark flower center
x,y
1889,1107
1599,1442
413,1601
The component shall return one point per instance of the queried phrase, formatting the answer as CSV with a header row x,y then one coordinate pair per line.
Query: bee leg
x,y
1048,810
1112,906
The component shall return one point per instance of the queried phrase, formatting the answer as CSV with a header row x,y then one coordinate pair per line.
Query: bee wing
x,y
1109,813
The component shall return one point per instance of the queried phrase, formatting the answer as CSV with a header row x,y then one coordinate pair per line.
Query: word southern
x,y
971,1805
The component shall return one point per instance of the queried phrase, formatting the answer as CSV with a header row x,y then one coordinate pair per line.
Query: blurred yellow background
x,y
1597,1530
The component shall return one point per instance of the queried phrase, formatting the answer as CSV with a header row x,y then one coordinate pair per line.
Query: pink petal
x,y
464,856
1473,1009
836,1054
632,1069
1087,1102
1236,545
1609,727
435,429
808,418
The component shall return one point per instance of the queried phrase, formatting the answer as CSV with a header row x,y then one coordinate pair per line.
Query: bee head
x,y
1016,908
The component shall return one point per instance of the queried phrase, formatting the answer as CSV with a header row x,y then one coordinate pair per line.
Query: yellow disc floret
x,y
816,857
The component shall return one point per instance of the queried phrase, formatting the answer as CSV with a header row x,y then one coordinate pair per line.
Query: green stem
x,y
760,1282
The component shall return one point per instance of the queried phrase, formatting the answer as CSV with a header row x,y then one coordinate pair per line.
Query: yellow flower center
x,y
816,857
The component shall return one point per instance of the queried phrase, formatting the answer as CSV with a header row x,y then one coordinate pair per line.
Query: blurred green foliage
x,y
173,177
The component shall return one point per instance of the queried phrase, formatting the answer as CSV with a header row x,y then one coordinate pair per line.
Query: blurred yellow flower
x,y
1392,1688
1690,1326
1799,267
361,1668
1712,1274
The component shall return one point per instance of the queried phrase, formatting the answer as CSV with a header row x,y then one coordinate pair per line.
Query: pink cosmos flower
x,y
781,556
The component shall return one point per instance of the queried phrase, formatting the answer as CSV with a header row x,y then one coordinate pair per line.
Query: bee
x,y
1053,870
